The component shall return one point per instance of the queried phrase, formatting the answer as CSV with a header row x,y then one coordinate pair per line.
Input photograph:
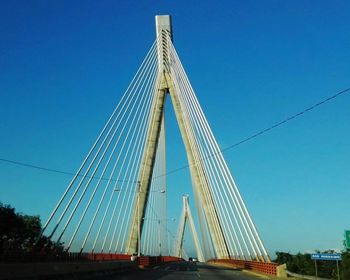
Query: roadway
x,y
183,271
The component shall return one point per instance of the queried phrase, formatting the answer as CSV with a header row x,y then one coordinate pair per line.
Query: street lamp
x,y
159,239
168,235
138,220
160,243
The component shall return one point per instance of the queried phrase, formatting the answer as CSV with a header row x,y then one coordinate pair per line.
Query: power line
x,y
255,135
36,166
56,170
263,131
286,120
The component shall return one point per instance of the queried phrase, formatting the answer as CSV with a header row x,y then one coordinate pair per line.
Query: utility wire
x,y
55,170
259,133
36,166
263,131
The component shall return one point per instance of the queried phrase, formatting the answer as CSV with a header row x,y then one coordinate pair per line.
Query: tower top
x,y
163,23
164,34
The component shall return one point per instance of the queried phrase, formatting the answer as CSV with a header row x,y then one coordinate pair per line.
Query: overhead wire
x,y
249,138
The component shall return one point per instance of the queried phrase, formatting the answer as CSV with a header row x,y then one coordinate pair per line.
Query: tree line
x,y
20,235
303,264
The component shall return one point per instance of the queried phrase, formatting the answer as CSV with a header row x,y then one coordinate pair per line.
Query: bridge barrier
x,y
107,257
61,257
264,267
147,261
80,257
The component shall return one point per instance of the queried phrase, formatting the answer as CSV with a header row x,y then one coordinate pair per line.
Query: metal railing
x,y
264,267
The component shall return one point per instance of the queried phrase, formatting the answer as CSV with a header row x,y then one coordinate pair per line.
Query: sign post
x,y
347,239
326,257
316,269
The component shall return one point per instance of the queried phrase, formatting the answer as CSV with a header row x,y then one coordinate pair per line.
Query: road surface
x,y
183,271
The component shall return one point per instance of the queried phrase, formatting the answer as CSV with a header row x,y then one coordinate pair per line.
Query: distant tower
x,y
186,215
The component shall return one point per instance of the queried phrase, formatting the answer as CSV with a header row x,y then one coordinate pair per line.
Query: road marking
x,y
199,276
167,268
156,267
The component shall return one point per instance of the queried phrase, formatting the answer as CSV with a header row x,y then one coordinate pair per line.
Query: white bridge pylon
x,y
116,202
186,215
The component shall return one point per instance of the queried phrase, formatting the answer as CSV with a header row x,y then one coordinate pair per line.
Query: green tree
x,y
302,264
345,265
20,234
285,258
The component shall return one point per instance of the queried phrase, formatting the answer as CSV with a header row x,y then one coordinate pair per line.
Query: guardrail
x,y
83,257
61,257
146,261
264,267
80,257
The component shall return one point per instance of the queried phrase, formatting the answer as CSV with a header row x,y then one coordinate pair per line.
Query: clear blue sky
x,y
65,64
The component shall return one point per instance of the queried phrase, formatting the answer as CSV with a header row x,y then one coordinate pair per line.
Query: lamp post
x,y
159,239
168,235
139,221
160,243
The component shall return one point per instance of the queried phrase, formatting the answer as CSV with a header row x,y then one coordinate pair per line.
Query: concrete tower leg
x,y
166,85
145,174
163,28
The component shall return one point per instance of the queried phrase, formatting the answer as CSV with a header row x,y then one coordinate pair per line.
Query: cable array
x,y
235,223
154,237
93,213
100,209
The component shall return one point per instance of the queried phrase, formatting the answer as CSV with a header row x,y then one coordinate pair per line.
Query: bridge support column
x,y
199,179
187,215
145,174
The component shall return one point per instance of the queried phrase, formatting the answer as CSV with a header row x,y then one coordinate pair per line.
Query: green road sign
x,y
347,239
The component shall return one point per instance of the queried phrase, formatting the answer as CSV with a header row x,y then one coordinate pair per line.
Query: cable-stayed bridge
x,y
117,201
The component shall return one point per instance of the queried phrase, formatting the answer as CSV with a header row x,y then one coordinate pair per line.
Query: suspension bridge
x,y
116,203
